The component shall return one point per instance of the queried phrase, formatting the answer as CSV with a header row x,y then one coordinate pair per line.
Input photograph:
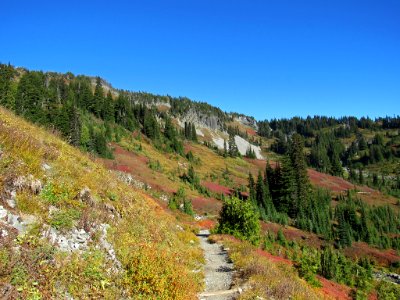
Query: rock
x,y
20,182
45,167
3,212
164,198
7,291
107,246
21,225
3,233
11,203
35,185
53,209
86,197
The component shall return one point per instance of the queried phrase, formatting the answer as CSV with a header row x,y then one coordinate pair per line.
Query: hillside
x,y
72,229
147,170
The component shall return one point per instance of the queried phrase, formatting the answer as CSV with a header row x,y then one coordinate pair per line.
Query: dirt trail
x,y
218,271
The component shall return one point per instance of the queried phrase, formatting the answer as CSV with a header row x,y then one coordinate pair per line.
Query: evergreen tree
x,y
194,134
108,108
252,189
225,149
233,150
300,175
360,177
286,188
123,112
30,97
260,192
7,86
329,263
98,99
150,126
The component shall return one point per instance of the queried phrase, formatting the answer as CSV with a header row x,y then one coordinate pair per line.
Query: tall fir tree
x,y
108,108
299,167
7,86
98,98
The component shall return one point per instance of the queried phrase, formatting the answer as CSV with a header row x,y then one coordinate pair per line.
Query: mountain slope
x,y
71,229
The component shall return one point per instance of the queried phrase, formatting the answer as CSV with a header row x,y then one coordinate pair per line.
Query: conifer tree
x,y
108,108
233,150
360,177
7,87
225,149
30,97
252,189
193,133
98,98
302,183
329,263
286,186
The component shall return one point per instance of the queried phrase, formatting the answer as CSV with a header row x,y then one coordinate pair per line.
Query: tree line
x,y
87,117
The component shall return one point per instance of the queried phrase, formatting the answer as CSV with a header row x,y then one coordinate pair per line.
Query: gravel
x,y
218,268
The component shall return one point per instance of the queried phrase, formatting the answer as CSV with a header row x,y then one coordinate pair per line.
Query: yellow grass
x,y
146,239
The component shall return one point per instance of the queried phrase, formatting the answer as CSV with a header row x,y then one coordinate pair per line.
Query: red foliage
x,y
335,184
122,168
294,234
206,224
330,182
216,188
382,257
333,289
251,131
206,205
273,258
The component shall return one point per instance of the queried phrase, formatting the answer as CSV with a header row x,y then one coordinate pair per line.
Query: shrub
x,y
388,291
65,219
239,218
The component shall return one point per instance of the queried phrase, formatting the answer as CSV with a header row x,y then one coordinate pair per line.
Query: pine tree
x,y
169,129
360,177
108,108
194,134
252,189
260,192
150,126
98,99
286,186
299,167
123,113
329,263
225,149
233,150
30,97
7,86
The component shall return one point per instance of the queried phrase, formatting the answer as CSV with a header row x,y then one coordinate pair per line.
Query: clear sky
x,y
263,58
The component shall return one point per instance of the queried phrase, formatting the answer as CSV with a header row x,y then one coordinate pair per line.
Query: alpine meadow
x,y
115,186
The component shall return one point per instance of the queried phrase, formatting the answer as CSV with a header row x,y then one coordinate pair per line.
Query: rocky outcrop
x,y
247,121
201,120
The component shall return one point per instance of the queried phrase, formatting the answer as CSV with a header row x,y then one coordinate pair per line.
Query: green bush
x,y
388,291
239,219
64,219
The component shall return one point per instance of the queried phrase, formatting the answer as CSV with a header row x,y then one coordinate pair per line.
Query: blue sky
x,y
262,58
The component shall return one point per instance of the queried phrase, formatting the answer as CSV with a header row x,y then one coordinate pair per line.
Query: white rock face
x,y
241,143
219,142
199,132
